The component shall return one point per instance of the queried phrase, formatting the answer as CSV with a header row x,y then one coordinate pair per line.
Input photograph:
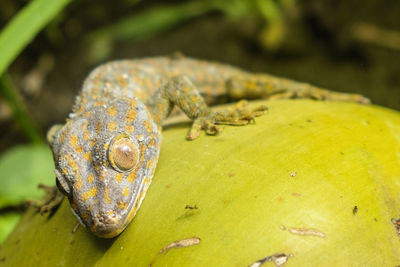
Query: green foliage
x,y
24,27
143,25
13,39
10,93
21,170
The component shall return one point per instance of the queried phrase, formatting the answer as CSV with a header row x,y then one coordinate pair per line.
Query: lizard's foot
x,y
51,200
211,122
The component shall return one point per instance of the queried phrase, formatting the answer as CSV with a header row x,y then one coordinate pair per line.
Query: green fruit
x,y
316,181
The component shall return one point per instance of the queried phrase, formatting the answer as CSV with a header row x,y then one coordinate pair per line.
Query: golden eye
x,y
123,153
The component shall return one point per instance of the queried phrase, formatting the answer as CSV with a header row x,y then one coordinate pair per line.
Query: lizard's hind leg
x,y
270,87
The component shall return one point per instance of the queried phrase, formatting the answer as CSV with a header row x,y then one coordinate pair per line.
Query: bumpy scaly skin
x,y
106,153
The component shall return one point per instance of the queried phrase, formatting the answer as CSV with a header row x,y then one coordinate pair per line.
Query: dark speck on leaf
x,y
355,209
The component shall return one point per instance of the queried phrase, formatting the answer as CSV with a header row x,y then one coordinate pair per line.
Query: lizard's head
x,y
105,159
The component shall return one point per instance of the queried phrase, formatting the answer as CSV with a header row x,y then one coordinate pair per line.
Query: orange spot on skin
x,y
97,168
106,196
72,164
84,126
92,142
119,176
112,111
90,178
88,156
106,145
73,140
102,175
79,149
86,135
121,80
147,180
151,143
81,109
112,126
129,128
194,98
98,127
149,82
78,183
62,136
148,126
149,163
122,205
126,191
88,194
87,114
130,115
99,104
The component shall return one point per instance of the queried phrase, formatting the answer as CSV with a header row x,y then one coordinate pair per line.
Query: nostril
x,y
106,218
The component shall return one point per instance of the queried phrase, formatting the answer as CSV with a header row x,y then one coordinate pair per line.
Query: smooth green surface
x,y
344,155
24,27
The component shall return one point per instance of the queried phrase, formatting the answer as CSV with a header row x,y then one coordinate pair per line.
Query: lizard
x,y
106,153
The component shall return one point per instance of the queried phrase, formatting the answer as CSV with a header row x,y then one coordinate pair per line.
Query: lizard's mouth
x,y
107,225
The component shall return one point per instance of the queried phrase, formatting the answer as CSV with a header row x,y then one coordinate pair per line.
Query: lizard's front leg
x,y
180,91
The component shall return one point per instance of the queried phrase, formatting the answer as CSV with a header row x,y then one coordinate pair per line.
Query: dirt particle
x,y
296,194
282,227
231,174
191,207
301,231
188,242
76,227
355,209
293,174
279,260
181,244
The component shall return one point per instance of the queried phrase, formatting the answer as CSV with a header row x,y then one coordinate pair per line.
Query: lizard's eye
x,y
123,153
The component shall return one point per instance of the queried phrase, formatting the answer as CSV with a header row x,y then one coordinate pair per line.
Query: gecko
x,y
106,152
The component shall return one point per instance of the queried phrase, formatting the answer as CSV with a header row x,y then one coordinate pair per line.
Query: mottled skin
x,y
106,153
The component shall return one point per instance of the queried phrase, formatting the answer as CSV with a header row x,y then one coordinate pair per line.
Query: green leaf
x,y
286,185
21,170
24,27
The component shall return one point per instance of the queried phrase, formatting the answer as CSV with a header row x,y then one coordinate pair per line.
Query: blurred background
x,y
47,47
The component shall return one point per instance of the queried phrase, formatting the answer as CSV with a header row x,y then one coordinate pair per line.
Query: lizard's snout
x,y
107,224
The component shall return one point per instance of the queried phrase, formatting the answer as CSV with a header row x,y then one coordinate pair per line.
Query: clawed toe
x,y
239,116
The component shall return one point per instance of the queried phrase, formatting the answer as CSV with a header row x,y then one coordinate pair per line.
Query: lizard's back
x,y
143,77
